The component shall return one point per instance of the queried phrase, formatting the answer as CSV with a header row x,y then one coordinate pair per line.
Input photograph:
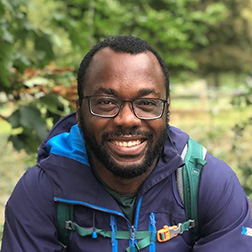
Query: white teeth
x,y
127,143
130,144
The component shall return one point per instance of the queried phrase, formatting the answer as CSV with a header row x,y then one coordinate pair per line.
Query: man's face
x,y
125,145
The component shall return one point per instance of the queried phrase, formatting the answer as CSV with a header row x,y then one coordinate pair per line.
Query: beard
x,y
123,171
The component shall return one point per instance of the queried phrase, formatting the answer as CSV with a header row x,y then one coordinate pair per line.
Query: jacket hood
x,y
64,125
63,156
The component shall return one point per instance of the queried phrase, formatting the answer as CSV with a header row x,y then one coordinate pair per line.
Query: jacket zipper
x,y
152,227
114,229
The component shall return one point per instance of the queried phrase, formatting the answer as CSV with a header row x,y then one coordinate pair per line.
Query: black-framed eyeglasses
x,y
109,106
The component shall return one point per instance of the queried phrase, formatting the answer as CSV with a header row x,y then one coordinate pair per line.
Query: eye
x,y
146,102
106,102
147,105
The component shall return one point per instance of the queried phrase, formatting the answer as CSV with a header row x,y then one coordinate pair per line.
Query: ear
x,y
78,111
168,112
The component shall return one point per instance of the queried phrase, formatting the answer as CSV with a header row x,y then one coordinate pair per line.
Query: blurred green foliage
x,y
202,36
43,41
241,142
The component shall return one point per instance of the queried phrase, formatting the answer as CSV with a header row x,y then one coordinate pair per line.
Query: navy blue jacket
x,y
63,174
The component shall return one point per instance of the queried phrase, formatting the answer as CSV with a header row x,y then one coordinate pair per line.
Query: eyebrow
x,y
141,92
147,91
108,91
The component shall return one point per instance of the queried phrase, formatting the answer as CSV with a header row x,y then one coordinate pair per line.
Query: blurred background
x,y
207,45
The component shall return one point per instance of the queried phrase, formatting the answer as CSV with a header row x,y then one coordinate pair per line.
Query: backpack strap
x,y
179,175
64,214
188,178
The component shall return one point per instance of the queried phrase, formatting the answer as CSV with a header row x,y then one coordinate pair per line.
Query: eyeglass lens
x,y
109,106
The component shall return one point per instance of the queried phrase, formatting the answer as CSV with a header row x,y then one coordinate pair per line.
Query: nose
x,y
126,117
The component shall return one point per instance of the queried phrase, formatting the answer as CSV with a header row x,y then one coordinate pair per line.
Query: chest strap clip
x,y
167,233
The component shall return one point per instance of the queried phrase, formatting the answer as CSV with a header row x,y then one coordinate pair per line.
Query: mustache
x,y
124,132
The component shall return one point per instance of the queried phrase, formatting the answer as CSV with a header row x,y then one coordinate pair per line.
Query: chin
x,y
128,170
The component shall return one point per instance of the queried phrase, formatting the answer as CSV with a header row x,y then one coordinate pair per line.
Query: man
x,y
117,166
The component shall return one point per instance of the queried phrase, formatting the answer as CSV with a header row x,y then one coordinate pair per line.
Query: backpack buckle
x,y
68,225
192,224
167,233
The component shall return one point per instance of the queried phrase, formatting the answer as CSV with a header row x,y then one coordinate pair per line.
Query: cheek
x,y
158,125
95,126
90,121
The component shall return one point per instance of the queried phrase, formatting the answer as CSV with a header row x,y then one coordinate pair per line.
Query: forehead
x,y
124,72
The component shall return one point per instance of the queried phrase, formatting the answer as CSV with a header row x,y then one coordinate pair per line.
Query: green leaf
x,y
6,35
51,100
17,142
14,119
30,118
26,141
43,47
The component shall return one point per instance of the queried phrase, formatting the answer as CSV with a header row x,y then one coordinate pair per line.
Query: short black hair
x,y
125,44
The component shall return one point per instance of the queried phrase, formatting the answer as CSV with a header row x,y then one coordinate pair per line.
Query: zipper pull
x,y
132,238
152,220
113,227
133,234
152,227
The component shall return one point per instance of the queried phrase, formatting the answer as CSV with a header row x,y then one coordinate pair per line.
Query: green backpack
x,y
188,178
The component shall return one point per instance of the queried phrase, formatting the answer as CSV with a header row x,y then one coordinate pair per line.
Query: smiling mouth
x,y
127,147
130,143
